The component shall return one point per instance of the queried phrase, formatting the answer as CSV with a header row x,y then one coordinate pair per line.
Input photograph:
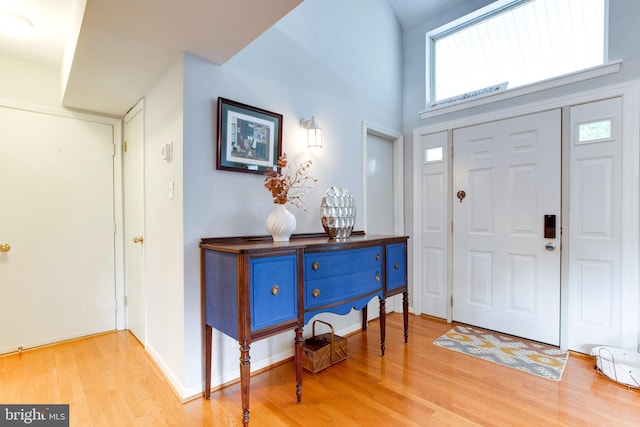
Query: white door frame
x,y
138,108
630,94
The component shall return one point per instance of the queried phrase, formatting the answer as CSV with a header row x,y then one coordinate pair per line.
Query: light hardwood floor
x,y
108,380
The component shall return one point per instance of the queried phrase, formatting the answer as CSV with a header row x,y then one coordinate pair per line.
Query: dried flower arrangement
x,y
290,184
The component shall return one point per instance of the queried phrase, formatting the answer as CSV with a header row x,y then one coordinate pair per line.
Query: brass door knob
x,y
275,290
138,239
5,247
316,293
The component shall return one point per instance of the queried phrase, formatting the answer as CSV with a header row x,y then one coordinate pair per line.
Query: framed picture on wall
x,y
249,138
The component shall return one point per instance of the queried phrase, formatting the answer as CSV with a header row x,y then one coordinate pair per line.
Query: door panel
x,y
57,213
595,288
434,225
504,278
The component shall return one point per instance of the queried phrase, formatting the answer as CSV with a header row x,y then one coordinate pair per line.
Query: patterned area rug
x,y
538,359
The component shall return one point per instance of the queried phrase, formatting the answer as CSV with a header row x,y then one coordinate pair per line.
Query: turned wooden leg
x,y
298,361
383,323
208,331
245,375
365,318
405,315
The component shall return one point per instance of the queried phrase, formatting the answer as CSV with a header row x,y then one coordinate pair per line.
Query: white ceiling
x,y
51,18
411,12
123,46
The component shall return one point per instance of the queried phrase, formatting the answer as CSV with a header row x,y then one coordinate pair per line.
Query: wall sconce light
x,y
314,133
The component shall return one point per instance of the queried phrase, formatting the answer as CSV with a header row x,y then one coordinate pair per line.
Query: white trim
x,y
630,215
133,111
118,214
492,9
578,76
630,93
565,129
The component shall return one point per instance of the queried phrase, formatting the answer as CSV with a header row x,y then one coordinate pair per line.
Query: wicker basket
x,y
324,350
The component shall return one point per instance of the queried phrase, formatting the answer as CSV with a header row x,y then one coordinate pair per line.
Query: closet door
x,y
57,277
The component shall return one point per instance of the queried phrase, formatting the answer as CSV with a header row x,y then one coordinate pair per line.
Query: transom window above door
x,y
513,43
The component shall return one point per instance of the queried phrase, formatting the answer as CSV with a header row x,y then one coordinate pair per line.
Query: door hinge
x,y
126,300
451,300
124,146
452,226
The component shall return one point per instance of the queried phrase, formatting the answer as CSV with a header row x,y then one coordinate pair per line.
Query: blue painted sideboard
x,y
254,288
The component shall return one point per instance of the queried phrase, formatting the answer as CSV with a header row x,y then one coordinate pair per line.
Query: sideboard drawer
x,y
336,276
337,263
274,290
396,265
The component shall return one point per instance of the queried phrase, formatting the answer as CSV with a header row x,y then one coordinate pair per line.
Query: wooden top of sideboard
x,y
319,241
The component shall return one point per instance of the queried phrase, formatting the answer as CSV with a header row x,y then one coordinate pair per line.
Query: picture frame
x,y
249,138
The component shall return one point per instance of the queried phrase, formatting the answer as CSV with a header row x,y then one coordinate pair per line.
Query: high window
x,y
514,43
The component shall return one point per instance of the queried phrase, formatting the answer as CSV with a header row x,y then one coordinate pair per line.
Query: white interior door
x,y
133,171
384,201
506,273
57,277
380,212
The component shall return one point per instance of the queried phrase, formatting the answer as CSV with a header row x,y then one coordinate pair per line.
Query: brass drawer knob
x,y
316,293
275,290
377,257
377,276
315,265
397,266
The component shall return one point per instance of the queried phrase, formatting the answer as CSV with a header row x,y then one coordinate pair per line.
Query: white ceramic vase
x,y
281,223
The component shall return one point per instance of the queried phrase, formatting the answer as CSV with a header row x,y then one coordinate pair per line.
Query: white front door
x,y
133,170
57,277
506,272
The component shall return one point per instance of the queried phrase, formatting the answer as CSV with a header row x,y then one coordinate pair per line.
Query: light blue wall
x,y
340,61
